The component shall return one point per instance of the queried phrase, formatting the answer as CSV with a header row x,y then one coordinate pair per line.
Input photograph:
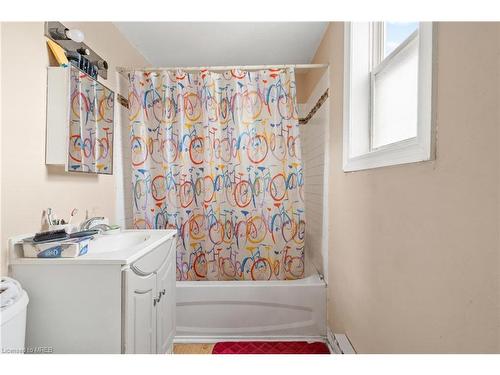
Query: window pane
x,y
396,33
395,98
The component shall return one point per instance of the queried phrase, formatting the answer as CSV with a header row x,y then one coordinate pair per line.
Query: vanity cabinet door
x,y
140,313
166,306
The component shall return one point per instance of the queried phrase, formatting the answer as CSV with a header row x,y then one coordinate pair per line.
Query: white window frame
x,y
358,153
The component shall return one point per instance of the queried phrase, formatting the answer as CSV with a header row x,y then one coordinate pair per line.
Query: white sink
x,y
116,242
122,248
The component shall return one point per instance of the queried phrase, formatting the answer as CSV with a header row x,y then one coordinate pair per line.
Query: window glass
x,y
396,33
395,98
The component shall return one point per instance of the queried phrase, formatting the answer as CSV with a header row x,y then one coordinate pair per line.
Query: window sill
x,y
399,153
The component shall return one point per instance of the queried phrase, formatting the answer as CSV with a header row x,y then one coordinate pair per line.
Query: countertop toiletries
x,y
73,213
50,235
60,224
48,215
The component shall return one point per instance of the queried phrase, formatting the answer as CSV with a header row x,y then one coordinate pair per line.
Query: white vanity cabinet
x,y
149,296
166,306
107,301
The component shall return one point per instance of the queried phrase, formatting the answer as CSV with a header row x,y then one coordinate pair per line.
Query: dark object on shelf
x,y
51,235
84,64
83,51
93,71
74,58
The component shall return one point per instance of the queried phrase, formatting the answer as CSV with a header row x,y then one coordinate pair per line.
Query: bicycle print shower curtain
x,y
216,156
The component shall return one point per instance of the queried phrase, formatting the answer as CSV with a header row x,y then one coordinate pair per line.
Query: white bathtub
x,y
226,310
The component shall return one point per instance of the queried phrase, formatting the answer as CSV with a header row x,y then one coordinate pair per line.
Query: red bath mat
x,y
270,347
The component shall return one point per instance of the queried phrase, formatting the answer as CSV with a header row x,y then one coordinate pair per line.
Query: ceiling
x,y
224,43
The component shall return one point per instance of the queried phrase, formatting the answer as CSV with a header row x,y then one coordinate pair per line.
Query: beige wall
x,y
28,186
414,249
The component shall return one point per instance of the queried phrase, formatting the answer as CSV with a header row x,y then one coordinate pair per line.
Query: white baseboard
x,y
339,343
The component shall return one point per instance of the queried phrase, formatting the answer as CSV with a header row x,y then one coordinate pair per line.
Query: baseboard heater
x,y
339,343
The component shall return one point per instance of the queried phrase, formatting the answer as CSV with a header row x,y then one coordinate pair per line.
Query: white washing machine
x,y
14,302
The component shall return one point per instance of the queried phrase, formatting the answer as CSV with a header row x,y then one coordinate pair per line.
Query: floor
x,y
193,348
203,348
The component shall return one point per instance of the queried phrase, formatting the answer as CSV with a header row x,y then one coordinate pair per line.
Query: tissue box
x,y
69,248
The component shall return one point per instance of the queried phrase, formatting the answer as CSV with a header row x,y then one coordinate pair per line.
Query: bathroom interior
x,y
249,187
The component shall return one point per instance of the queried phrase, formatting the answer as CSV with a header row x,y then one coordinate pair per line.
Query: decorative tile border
x,y
123,100
317,106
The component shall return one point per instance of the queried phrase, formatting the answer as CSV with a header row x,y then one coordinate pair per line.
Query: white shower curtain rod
x,y
122,70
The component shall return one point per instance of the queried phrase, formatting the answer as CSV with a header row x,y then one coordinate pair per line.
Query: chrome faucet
x,y
101,227
87,224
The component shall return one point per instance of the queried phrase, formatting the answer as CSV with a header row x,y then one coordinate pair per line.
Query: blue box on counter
x,y
67,248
